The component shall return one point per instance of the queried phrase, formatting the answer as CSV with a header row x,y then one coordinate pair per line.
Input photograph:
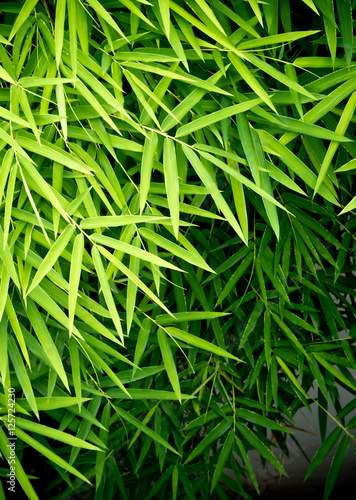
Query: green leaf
x,y
131,250
223,457
52,256
24,13
250,79
171,182
190,339
133,277
74,277
119,220
257,419
324,451
49,454
336,464
53,434
136,423
259,446
46,340
210,184
22,375
213,435
148,157
344,11
59,29
21,476
169,361
205,121
107,291
193,258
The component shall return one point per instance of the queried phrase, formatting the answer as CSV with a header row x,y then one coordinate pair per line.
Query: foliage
x,y
177,250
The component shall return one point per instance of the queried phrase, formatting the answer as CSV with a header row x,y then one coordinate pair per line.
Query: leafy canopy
x,y
177,249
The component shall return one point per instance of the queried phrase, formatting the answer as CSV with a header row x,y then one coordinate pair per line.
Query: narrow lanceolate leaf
x,y
224,455
164,8
324,450
255,418
54,153
8,115
132,286
51,455
212,436
169,361
25,105
258,445
205,121
294,163
52,256
192,340
340,129
59,29
46,340
4,136
250,79
99,361
210,184
54,434
131,250
133,277
190,256
22,375
8,262
9,203
72,21
4,75
105,15
120,220
21,476
336,464
25,11
62,109
75,365
171,182
148,157
136,423
107,291
350,206
74,277
346,27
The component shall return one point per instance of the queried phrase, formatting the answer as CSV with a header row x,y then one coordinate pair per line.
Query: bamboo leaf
x,y
324,450
49,454
24,13
169,361
193,258
190,339
107,292
59,29
136,423
209,183
52,256
22,375
223,457
247,75
131,250
215,434
259,445
74,277
146,167
171,182
205,121
46,340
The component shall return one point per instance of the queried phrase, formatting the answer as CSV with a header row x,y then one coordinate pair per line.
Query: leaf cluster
x,y
177,249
